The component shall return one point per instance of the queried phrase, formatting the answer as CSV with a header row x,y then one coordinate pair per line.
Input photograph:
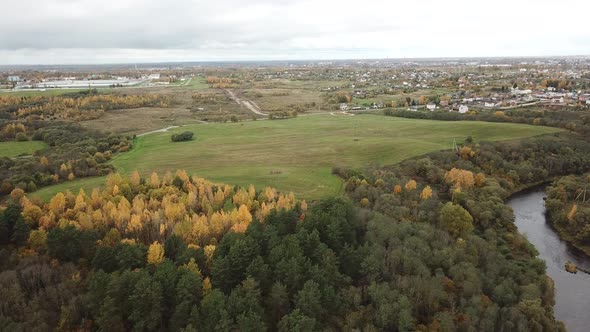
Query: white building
x,y
431,107
559,100
463,109
14,79
489,104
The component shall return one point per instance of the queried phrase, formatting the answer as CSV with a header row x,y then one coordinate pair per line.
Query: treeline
x,y
72,152
76,107
572,120
221,82
282,115
568,209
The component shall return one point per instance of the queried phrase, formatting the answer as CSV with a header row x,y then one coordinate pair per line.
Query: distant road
x,y
248,104
522,105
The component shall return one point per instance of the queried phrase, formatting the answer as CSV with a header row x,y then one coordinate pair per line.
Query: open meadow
x,y
13,149
297,154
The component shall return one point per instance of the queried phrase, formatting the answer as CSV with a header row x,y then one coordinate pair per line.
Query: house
x,y
376,106
431,107
557,100
343,107
14,79
588,102
360,94
489,104
463,109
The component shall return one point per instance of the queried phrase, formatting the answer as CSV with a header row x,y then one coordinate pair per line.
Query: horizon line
x,y
303,60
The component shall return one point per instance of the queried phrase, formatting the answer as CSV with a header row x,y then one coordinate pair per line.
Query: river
x,y
572,299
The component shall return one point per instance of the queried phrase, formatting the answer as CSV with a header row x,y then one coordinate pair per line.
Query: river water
x,y
572,299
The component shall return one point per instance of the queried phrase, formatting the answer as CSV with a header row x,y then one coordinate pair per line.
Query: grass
x,y
13,149
297,154
197,83
85,183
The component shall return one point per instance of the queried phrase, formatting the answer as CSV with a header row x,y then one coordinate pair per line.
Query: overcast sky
x,y
128,31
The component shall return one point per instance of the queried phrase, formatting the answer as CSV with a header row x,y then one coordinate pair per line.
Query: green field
x,y
13,149
297,154
197,83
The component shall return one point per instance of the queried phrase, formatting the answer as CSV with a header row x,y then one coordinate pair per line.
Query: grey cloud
x,y
106,30
163,24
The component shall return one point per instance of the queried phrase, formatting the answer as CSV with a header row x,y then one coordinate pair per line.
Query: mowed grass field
x,y
13,149
297,154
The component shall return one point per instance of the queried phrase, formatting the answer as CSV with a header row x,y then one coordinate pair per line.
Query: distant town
x,y
454,85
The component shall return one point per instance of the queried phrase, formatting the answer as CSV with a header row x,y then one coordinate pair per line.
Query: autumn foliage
x,y
75,108
460,178
149,211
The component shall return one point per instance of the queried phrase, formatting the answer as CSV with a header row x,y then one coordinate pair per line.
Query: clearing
x,y
297,154
13,149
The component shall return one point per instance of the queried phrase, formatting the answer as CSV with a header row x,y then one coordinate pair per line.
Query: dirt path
x,y
157,131
248,104
341,113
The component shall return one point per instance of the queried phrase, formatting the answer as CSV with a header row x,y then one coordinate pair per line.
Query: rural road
x,y
157,131
340,113
248,104
522,105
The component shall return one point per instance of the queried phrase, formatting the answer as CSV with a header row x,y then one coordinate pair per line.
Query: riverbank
x,y
565,236
568,210
572,295
561,231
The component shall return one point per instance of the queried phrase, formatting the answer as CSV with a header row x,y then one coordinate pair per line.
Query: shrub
x,y
21,137
184,136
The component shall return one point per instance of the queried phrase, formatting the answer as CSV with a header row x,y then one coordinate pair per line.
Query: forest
x,y
425,245
75,106
568,209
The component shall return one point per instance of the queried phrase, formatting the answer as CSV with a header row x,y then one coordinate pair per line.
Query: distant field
x,y
13,149
197,83
140,120
297,154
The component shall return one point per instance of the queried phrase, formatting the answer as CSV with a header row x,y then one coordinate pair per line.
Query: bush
x,y
21,137
185,136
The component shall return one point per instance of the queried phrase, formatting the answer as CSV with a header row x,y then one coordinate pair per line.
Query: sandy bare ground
x,y
341,113
158,131
248,104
